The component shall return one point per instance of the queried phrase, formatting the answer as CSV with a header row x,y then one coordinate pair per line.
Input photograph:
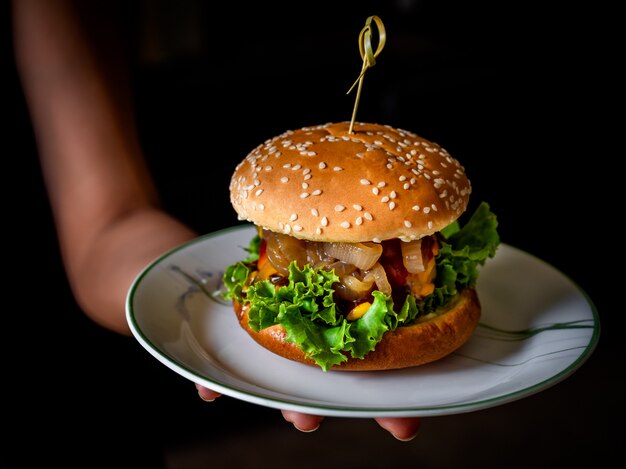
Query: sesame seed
x,y
345,224
434,207
297,228
368,216
296,167
337,168
268,168
259,192
324,221
359,220
261,207
284,179
385,199
402,178
287,166
382,184
360,155
416,208
307,177
318,231
377,240
287,228
305,185
407,223
339,208
426,209
365,182
317,192
392,205
304,195
375,190
406,185
306,171
430,225
293,217
357,207
322,165
257,182
389,166
314,212
393,194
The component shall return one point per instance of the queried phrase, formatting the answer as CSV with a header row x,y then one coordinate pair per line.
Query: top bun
x,y
324,184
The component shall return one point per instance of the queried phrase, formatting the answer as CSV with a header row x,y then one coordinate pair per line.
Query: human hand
x,y
401,428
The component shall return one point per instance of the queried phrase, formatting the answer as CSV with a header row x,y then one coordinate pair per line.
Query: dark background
x,y
521,94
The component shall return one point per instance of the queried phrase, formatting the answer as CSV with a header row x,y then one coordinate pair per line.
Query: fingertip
x,y
302,422
402,429
405,439
306,430
206,394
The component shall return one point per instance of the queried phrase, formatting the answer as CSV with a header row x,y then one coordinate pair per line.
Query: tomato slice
x,y
391,260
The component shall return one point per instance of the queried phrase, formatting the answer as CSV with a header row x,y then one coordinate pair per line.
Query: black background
x,y
521,94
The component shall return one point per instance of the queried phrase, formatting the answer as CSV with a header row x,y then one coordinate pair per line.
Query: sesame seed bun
x,y
324,184
407,346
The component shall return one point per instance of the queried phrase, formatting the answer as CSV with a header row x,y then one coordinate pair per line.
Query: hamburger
x,y
360,262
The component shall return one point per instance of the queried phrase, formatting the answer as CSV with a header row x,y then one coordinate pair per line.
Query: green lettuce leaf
x,y
460,256
235,277
253,249
306,309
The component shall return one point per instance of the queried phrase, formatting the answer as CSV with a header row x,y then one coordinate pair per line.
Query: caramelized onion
x,y
351,288
412,256
341,268
362,255
379,276
292,248
315,255
274,253
283,249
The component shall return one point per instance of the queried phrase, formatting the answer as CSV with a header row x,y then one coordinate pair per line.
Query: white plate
x,y
537,327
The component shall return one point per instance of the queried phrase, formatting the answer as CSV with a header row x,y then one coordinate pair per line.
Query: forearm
x,y
116,255
87,143
101,195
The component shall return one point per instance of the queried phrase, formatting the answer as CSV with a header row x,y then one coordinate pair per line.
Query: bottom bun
x,y
407,346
